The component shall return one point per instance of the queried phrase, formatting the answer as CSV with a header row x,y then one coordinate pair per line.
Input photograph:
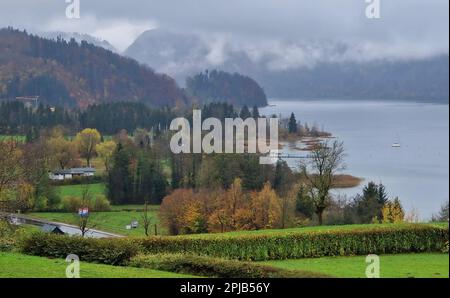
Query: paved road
x,y
66,228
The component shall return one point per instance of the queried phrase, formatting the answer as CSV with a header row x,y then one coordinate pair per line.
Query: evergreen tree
x,y
293,127
282,178
245,113
119,178
255,112
304,204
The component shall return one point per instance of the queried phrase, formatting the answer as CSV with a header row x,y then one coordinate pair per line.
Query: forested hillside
x,y
220,86
76,75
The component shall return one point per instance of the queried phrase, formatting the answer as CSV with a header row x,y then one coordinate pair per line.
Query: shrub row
x,y
215,267
113,251
79,180
259,247
98,204
249,247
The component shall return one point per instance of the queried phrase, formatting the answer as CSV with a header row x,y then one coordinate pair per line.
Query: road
x,y
66,228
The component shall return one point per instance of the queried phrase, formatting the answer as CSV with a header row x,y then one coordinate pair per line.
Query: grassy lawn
x,y
423,265
13,265
77,190
114,221
17,137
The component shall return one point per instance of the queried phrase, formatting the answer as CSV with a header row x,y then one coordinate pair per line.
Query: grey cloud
x,y
407,28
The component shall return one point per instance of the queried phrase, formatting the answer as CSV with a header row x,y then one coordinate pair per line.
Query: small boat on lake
x,y
396,145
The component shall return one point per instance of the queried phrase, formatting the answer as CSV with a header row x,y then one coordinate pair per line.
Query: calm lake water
x,y
417,172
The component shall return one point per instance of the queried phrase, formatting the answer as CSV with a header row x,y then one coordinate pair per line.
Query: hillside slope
x,y
76,75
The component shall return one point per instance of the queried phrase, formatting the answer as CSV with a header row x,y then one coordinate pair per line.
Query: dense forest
x,y
71,74
108,118
220,86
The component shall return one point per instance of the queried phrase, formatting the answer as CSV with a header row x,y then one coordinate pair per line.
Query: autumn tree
x,y
37,160
393,212
266,208
233,200
87,141
319,172
64,152
105,151
172,210
10,164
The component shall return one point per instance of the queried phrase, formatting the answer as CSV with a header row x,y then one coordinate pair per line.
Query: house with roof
x,y
52,229
68,174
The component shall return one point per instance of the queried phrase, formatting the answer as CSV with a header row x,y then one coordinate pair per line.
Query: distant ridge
x,y
74,74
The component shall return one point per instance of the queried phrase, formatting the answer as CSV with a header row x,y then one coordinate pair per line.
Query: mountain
x,y
75,74
339,72
79,37
181,55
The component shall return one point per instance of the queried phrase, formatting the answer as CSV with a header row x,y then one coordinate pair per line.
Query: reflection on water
x,y
417,171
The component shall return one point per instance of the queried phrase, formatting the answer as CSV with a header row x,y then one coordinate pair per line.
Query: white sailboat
x,y
396,144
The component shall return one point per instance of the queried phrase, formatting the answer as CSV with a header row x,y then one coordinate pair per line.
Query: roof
x,y
74,171
51,229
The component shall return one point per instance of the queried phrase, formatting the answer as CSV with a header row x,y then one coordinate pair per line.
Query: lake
x,y
417,172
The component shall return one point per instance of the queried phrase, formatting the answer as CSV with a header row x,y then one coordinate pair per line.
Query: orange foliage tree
x,y
187,212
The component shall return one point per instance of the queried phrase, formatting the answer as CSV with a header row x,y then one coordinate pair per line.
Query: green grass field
x,y
13,265
77,190
18,138
114,221
426,265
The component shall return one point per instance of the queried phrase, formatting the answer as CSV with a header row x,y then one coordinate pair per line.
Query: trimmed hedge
x,y
215,267
113,252
249,247
294,245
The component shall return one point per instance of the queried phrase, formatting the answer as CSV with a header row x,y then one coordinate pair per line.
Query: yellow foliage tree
x,y
87,141
10,164
266,208
105,151
63,151
24,197
393,212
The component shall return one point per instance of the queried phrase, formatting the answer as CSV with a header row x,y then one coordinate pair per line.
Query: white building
x,y
71,173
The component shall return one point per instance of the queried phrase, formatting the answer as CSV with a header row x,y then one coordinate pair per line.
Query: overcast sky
x,y
409,27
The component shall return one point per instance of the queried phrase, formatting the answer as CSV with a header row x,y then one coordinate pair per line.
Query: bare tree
x,y
146,219
83,220
320,169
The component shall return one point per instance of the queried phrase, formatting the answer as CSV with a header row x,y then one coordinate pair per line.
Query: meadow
x,y
77,190
114,221
14,265
424,265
